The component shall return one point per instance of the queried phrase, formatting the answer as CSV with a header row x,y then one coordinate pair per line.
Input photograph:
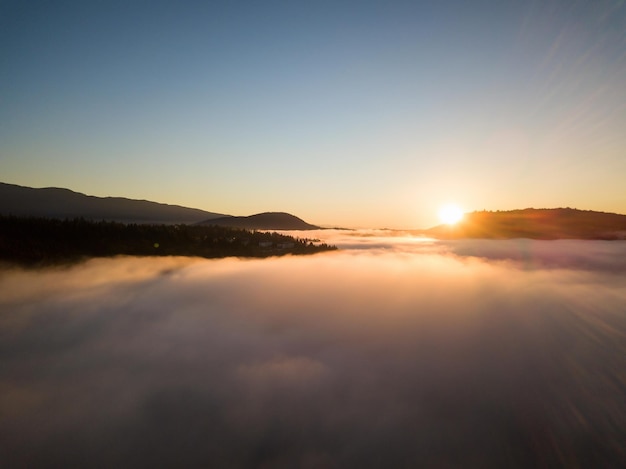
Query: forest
x,y
44,241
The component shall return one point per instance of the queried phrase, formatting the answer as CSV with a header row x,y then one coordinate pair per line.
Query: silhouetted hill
x,y
555,223
52,202
263,221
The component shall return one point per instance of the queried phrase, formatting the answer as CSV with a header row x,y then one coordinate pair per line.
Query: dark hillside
x,y
263,221
52,202
40,241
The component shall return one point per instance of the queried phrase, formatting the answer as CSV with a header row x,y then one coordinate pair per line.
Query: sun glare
x,y
450,214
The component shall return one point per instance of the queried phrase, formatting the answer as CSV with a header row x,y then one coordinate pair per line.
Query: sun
x,y
450,214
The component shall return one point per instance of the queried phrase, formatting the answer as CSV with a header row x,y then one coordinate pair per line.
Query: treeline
x,y
41,241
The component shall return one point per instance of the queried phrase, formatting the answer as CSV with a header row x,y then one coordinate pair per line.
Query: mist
x,y
394,351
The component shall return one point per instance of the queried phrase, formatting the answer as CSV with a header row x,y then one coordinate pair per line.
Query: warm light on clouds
x,y
405,350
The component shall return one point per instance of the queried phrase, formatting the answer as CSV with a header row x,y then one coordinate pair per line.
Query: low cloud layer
x,y
393,352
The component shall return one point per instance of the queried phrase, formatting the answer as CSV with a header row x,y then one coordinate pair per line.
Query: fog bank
x,y
393,352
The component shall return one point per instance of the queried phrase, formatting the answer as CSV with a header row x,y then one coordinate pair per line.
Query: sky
x,y
391,352
357,114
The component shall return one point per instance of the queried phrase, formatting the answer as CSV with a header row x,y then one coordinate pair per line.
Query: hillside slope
x,y
556,223
263,221
52,202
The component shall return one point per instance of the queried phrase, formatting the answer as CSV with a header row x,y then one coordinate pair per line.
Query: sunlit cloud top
x,y
394,349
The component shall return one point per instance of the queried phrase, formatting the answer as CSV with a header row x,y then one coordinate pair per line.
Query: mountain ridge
x,y
59,202
63,203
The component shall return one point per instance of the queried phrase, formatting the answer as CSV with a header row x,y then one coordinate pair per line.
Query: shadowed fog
x,y
392,352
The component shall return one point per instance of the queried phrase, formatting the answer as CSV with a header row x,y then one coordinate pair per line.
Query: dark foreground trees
x,y
33,241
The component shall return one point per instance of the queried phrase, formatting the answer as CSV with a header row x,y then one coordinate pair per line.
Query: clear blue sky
x,y
352,113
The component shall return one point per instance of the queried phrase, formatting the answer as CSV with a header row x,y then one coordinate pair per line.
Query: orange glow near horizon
x,y
450,214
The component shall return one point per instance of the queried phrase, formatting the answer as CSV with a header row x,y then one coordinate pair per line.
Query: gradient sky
x,y
353,113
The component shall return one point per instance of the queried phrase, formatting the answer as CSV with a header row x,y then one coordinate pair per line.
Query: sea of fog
x,y
395,351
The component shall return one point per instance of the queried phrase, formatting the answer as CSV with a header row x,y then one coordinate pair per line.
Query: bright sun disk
x,y
450,214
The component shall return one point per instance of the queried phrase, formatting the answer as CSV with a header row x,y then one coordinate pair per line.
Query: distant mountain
x,y
555,223
263,221
52,202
